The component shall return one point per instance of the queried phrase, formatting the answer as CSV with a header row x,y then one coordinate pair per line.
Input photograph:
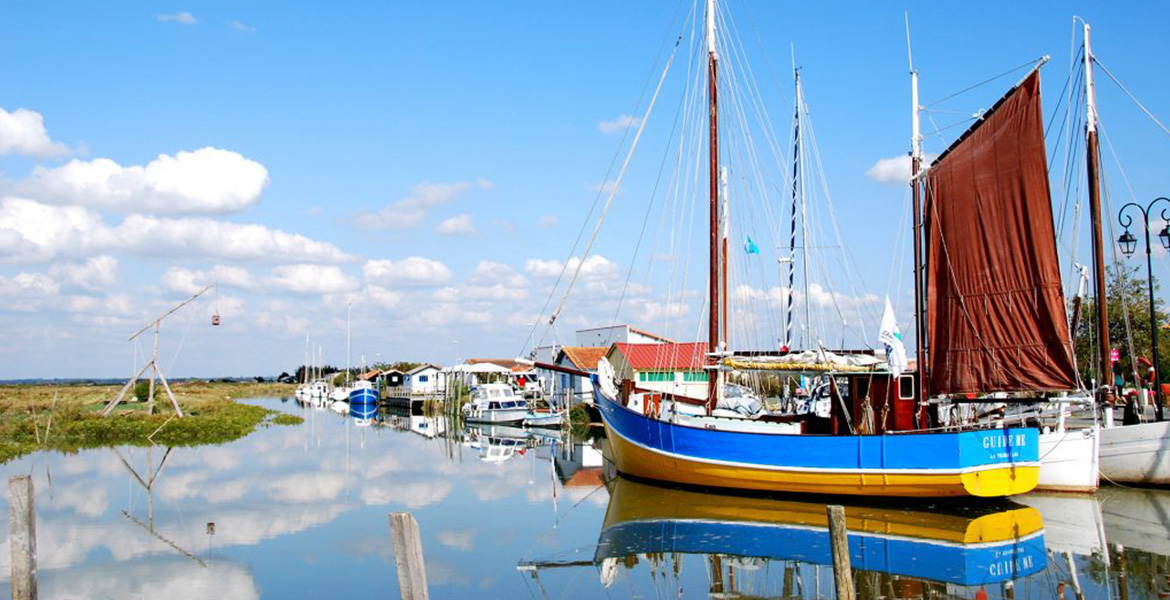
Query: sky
x,y
425,168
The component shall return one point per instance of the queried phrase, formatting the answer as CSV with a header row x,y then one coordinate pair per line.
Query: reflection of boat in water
x,y
497,444
980,547
1137,518
495,403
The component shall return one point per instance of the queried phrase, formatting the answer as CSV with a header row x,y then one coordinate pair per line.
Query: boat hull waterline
x,y
985,463
1068,460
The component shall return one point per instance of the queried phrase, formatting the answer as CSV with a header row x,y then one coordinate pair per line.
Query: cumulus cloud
x,y
619,124
415,270
23,132
458,225
410,211
894,170
546,221
311,279
32,232
191,237
188,281
94,274
182,17
27,292
208,181
595,266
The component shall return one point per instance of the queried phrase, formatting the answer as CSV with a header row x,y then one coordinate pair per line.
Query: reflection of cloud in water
x,y
169,578
415,494
307,487
460,540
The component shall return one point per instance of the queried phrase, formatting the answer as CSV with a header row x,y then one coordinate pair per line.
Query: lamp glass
x,y
1127,243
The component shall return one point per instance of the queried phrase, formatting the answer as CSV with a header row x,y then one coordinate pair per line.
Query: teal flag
x,y
749,246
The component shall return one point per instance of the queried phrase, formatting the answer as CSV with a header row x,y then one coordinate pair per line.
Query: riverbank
x,y
67,417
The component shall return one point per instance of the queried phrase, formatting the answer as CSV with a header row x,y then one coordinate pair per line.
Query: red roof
x,y
585,357
643,357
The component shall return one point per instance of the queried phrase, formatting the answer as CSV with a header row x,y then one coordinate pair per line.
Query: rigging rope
x,y
1131,96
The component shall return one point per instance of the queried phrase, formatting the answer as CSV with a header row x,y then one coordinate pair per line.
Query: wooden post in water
x,y
839,541
22,524
408,556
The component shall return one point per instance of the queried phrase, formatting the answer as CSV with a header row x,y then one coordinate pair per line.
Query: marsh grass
x,y
30,418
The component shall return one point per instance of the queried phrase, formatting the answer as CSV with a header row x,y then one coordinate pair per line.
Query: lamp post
x,y
1128,244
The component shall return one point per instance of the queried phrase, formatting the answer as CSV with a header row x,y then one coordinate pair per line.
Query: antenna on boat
x,y
153,363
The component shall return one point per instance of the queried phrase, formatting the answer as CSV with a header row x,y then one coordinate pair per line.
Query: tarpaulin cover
x,y
995,308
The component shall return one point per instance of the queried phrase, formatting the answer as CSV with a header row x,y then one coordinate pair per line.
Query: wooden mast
x,y
1091,167
714,345
916,194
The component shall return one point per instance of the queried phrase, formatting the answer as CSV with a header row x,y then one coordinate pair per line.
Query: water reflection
x,y
300,512
739,538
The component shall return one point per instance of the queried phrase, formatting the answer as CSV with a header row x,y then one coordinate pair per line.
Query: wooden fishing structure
x,y
153,362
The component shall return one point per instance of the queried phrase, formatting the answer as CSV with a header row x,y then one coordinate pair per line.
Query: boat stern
x,y
1000,462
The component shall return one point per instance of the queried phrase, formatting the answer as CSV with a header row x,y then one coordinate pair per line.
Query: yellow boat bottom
x,y
637,461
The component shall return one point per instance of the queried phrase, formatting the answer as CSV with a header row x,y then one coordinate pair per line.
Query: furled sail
x,y
995,319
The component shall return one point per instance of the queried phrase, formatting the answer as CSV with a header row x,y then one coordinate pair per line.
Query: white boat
x,y
1136,453
495,403
1068,459
544,419
339,407
340,394
1137,519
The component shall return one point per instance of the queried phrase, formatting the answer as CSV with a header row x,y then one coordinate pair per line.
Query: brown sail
x,y
995,307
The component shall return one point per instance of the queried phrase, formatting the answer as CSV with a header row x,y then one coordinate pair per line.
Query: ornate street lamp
x,y
1128,244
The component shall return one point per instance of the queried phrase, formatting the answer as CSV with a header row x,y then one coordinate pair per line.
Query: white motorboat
x,y
495,403
544,418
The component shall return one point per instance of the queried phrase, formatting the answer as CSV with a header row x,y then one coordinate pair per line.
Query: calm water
x,y
301,512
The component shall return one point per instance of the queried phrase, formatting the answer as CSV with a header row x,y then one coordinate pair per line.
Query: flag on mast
x,y
891,338
750,247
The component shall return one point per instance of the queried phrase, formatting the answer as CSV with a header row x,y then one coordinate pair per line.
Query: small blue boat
x,y
363,394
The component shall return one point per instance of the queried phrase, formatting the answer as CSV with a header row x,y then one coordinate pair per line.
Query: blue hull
x,y
995,462
363,396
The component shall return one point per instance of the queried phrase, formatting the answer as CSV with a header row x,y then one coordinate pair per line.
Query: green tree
x,y
1126,293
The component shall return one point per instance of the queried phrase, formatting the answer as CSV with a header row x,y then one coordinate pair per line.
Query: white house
x,y
424,379
575,388
604,337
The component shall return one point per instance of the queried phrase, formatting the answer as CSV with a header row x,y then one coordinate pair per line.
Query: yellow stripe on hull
x,y
635,460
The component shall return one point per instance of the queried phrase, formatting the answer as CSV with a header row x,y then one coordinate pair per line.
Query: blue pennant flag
x,y
749,246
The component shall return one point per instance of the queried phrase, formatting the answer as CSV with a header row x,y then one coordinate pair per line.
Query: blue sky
x,y
288,152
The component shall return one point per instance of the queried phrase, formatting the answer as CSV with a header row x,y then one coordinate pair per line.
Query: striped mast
x,y
796,191
715,345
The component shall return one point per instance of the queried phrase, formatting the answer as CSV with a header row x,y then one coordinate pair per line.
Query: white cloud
x,y
484,184
893,170
187,281
33,232
410,211
458,225
311,279
415,270
193,237
27,292
183,17
490,273
23,132
595,266
208,180
619,124
546,221
94,274
239,26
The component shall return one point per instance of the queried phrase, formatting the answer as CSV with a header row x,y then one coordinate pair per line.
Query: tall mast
x,y
714,339
916,157
792,227
1095,220
726,236
810,343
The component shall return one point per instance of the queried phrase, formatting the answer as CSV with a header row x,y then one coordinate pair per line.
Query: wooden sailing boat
x,y
668,444
995,317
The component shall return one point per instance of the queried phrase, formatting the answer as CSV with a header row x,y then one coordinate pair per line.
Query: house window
x,y
656,376
695,376
422,378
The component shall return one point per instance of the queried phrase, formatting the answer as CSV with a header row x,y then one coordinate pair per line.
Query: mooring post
x,y
408,556
839,540
22,534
